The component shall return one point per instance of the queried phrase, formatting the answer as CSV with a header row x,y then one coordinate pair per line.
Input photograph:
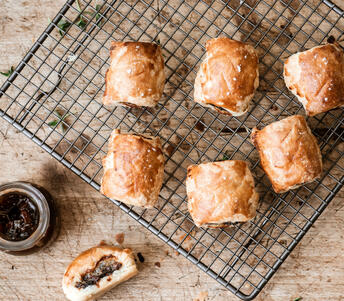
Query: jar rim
x,y
44,215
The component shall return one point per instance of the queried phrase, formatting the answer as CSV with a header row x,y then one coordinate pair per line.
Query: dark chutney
x,y
29,218
19,216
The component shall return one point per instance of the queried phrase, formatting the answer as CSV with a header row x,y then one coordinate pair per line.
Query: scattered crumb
x,y
12,267
157,264
283,242
200,126
141,258
188,243
274,108
102,243
203,296
184,237
176,253
119,238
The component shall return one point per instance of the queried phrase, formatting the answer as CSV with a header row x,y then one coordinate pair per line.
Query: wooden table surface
x,y
314,270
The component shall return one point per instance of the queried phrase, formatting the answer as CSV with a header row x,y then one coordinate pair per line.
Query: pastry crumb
x,y
157,264
119,238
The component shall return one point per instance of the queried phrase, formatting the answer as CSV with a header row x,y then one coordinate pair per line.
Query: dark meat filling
x,y
105,267
220,110
142,136
128,104
220,225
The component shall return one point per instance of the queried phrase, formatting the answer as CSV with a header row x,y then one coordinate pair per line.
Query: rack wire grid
x,y
54,98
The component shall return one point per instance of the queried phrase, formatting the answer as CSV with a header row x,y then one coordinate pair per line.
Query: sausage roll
x,y
316,77
221,193
133,169
136,75
228,77
96,271
289,153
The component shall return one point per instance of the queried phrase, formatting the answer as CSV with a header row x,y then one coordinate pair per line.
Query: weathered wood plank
x,y
314,270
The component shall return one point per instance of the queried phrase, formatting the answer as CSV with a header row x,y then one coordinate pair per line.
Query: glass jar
x,y
29,219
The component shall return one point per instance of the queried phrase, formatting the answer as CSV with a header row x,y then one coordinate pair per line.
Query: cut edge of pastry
x,y
87,262
136,102
219,225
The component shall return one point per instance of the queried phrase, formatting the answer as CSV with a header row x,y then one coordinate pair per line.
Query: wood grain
x,y
314,270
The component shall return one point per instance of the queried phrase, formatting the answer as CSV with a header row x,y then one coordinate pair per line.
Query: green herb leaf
x,y
8,73
81,23
53,123
78,6
63,127
65,116
225,157
92,13
98,15
60,119
63,25
298,299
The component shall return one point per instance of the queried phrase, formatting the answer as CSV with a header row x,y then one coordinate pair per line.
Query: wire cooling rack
x,y
54,98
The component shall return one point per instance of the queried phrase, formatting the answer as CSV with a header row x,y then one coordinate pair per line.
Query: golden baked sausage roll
x,y
221,193
316,77
96,271
136,75
289,153
228,77
133,169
